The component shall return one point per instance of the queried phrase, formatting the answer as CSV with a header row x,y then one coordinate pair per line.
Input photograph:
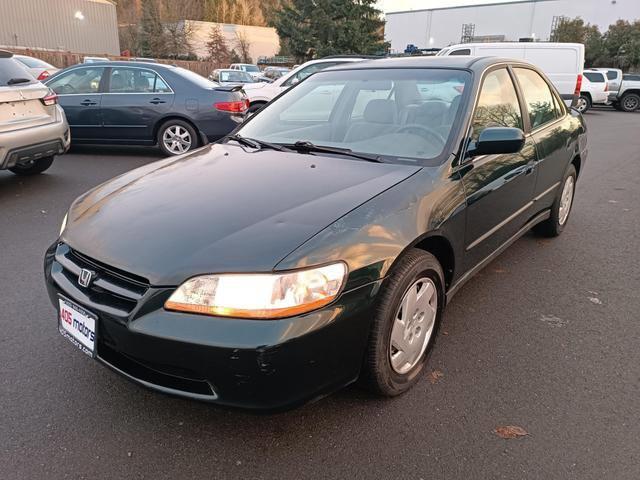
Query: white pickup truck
x,y
628,98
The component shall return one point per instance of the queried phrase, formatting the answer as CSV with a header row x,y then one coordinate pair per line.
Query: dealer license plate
x,y
78,325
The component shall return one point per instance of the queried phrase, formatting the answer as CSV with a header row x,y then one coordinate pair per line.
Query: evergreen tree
x,y
152,35
217,46
330,27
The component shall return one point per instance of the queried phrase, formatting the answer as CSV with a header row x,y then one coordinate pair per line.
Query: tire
x,y
382,374
630,102
584,103
176,137
555,224
32,168
255,108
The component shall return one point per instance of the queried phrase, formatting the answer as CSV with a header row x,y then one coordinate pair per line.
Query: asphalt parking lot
x,y
545,338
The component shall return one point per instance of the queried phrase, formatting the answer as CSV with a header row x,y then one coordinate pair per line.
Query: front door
x,y
79,94
134,101
499,188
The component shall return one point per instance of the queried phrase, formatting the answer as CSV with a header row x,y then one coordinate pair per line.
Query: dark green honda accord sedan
x,y
320,242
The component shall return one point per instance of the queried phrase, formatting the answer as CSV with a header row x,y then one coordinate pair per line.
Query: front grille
x,y
111,288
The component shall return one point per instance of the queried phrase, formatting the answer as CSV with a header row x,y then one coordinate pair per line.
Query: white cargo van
x,y
563,63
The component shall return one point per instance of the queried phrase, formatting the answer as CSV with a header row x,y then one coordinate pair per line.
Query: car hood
x,y
219,209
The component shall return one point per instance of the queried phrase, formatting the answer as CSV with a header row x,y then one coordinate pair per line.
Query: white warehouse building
x,y
510,21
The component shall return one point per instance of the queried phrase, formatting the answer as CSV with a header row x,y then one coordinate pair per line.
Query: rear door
x,y
135,99
80,95
499,188
548,118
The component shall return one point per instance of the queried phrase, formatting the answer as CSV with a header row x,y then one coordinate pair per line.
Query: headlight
x,y
64,224
254,295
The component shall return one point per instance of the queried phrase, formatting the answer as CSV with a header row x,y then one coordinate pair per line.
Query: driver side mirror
x,y
497,140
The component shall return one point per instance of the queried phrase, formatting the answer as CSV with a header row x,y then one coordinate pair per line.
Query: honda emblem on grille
x,y
85,278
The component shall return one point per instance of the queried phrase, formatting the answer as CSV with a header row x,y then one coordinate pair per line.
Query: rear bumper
x,y
34,142
262,365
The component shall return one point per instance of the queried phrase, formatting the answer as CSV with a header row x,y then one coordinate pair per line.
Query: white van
x,y
563,63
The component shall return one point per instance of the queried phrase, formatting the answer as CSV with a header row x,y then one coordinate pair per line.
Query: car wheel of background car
x,y
630,102
405,324
616,106
561,208
176,137
256,107
584,103
33,167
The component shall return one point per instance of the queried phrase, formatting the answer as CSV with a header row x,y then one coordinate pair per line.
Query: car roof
x,y
123,64
463,62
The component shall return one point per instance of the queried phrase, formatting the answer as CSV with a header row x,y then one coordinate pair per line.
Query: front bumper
x,y
256,364
34,142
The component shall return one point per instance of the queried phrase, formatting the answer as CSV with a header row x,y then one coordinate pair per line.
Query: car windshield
x,y
401,114
33,62
235,76
250,68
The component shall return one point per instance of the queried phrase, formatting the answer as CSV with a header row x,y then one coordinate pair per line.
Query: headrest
x,y
380,111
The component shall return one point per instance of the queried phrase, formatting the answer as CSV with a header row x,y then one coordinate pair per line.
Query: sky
x,y
399,5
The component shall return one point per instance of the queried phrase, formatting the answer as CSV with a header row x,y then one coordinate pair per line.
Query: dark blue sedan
x,y
133,103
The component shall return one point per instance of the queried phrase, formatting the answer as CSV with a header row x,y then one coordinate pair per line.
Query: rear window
x,y
10,69
594,77
33,62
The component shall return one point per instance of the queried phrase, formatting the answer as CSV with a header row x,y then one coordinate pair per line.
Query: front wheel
x,y
561,208
405,324
176,137
32,167
583,104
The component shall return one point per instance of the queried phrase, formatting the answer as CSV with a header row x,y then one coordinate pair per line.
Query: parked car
x,y
274,73
94,59
38,68
146,104
226,76
305,252
33,127
594,90
249,68
259,95
628,98
562,63
614,80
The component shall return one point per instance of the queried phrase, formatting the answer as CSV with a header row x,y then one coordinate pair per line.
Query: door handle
x,y
87,103
530,168
156,101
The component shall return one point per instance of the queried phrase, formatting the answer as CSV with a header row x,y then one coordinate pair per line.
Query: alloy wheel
x,y
176,139
565,200
413,325
581,105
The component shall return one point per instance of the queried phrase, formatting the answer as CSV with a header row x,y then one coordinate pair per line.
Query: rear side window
x,y
136,80
80,80
594,77
10,69
498,104
612,74
537,96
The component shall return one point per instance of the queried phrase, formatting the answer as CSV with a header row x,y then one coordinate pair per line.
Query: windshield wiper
x,y
14,81
257,144
307,146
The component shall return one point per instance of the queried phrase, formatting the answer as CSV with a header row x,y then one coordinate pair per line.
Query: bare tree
x,y
243,46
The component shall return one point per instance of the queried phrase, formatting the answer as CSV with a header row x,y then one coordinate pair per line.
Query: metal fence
x,y
61,59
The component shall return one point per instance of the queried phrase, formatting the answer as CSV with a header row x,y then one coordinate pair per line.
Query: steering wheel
x,y
422,131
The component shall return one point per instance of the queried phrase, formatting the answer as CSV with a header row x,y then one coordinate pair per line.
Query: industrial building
x,y
81,26
261,41
510,21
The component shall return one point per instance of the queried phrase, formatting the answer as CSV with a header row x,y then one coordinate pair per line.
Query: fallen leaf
x,y
435,376
543,242
595,300
444,332
510,431
499,270
613,201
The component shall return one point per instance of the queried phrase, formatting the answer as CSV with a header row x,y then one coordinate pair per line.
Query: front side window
x,y
306,71
373,111
80,80
537,96
498,104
